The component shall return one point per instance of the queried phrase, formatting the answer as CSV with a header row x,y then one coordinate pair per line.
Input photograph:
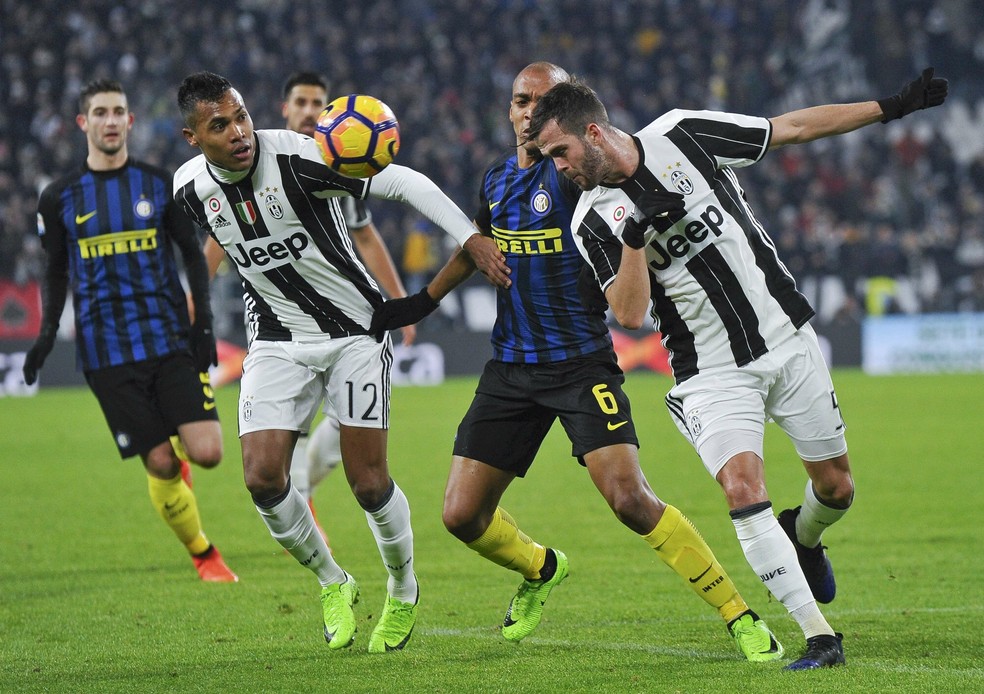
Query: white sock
x,y
772,556
811,621
390,525
291,524
324,451
815,517
300,473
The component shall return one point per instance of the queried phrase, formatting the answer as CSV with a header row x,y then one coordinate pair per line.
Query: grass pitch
x,y
96,595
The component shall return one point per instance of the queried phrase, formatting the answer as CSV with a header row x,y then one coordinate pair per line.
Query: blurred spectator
x,y
446,68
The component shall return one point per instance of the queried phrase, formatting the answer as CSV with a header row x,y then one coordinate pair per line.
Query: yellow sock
x,y
506,545
176,504
680,546
178,448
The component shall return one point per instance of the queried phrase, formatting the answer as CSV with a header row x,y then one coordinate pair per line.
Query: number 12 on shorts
x,y
368,396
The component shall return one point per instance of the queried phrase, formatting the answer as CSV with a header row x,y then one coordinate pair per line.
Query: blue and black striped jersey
x,y
111,233
540,318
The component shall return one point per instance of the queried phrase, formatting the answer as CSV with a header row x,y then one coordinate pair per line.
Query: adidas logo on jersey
x,y
220,222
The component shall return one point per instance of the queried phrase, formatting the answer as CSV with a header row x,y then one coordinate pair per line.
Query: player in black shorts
x,y
553,359
108,229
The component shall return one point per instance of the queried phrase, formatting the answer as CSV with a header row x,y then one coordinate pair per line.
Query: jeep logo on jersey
x,y
679,245
681,181
262,254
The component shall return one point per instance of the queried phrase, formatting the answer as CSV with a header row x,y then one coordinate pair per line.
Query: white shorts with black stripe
x,y
723,412
284,382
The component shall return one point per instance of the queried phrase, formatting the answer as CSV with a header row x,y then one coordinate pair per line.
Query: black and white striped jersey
x,y
281,225
721,295
355,212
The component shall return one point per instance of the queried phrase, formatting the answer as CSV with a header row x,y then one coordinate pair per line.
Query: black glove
x,y
397,313
38,353
203,350
922,92
649,206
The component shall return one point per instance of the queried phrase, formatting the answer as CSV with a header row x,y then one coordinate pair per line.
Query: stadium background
x,y
887,220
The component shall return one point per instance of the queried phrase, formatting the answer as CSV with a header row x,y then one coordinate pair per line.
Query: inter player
x,y
108,230
269,200
553,359
305,96
665,221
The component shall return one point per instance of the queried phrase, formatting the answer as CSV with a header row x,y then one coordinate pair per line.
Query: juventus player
x,y
272,204
305,96
663,219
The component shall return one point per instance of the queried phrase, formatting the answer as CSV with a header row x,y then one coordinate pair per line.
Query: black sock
x,y
549,565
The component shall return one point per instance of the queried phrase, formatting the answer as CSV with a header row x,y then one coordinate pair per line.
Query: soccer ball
x,y
358,135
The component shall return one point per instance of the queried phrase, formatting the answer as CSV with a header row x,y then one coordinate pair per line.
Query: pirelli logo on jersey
x,y
118,242
534,242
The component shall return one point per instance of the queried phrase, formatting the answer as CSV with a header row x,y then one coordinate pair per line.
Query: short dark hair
x,y
97,87
571,103
311,78
200,86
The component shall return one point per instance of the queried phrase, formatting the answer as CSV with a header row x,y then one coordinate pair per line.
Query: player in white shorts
x,y
790,385
269,200
305,96
664,223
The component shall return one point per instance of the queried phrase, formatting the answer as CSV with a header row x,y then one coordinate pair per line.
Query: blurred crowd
x,y
887,219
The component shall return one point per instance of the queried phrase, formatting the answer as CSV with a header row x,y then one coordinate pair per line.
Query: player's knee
x,y
159,463
837,492
206,454
370,491
462,523
635,507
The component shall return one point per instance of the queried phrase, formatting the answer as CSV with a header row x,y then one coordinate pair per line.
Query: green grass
x,y
97,596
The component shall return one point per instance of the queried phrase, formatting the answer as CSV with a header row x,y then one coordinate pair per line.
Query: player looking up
x,y
663,220
305,97
108,229
269,200
553,359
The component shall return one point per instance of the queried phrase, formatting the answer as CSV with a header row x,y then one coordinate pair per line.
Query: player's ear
x,y
82,122
189,136
283,109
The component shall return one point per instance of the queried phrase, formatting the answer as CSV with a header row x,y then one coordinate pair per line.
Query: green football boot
x,y
394,627
526,607
754,639
337,600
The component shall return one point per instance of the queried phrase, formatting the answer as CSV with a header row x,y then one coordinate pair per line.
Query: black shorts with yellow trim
x,y
516,404
144,402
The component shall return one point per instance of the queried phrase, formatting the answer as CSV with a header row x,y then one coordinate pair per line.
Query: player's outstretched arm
x,y
397,182
808,124
399,313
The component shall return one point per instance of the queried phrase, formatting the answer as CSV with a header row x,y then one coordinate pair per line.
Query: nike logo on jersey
x,y
612,426
83,218
493,204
